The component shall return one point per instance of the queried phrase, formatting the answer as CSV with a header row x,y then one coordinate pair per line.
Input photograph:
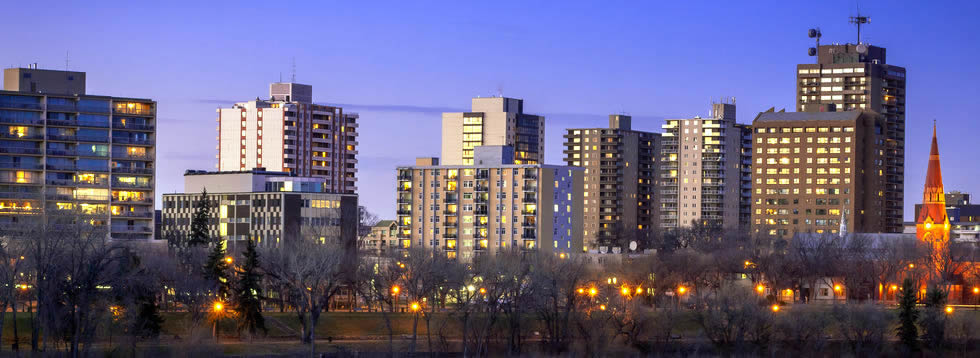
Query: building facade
x,y
705,164
857,77
492,121
64,150
620,179
289,133
383,236
813,168
267,207
493,205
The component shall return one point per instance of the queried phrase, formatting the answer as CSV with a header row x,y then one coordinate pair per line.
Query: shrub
x,y
862,327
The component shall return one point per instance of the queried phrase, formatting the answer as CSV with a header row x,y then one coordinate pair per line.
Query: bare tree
x,y
312,272
735,317
556,281
378,278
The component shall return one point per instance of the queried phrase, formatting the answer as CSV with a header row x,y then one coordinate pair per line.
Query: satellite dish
x,y
632,245
811,33
862,48
811,51
602,249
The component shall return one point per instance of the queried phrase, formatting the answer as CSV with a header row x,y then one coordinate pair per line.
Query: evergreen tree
x,y
908,314
216,269
933,320
248,293
148,320
201,222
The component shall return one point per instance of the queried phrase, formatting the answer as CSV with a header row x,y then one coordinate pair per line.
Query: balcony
x,y
404,188
34,106
482,188
529,235
95,139
404,212
449,235
134,214
133,126
20,195
529,224
531,188
145,200
63,152
133,156
62,167
132,229
480,224
144,171
529,212
61,107
20,165
6,135
449,212
450,200
135,111
450,224
125,140
135,185
481,199
405,177
30,121
34,151
482,175
404,199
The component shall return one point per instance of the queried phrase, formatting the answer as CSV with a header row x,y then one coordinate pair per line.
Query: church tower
x,y
932,224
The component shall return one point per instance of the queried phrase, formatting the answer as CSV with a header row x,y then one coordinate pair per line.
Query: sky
x,y
400,64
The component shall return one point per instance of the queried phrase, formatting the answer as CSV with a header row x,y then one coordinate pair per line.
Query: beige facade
x,y
289,133
812,167
493,121
466,211
857,77
383,235
619,198
704,170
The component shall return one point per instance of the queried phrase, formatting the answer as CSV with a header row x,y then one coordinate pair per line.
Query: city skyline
x,y
391,71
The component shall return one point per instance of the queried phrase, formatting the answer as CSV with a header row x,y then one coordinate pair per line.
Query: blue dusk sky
x,y
399,64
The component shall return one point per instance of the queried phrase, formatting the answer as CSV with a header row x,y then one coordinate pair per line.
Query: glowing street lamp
x,y
681,289
837,288
414,306
602,307
775,308
581,291
976,290
593,291
229,260
218,309
483,291
625,291
639,290
949,309
760,288
395,289
470,288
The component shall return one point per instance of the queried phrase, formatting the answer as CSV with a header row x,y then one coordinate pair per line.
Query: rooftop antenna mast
x,y
858,21
814,33
293,80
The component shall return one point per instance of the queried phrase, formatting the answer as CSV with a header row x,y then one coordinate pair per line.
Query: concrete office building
x,y
492,121
383,236
264,206
620,179
64,150
289,133
857,77
705,166
809,166
492,205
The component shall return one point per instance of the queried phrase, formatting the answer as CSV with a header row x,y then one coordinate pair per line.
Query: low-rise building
x,y
382,236
492,205
261,205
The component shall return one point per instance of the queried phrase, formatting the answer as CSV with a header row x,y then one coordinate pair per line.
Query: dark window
x,y
27,75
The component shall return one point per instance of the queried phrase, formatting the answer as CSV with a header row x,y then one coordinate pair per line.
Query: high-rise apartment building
x,y
492,121
857,77
289,133
620,179
264,206
492,205
704,171
64,150
809,166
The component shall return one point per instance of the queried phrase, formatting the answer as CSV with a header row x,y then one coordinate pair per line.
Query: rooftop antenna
x,y
858,21
500,90
814,33
293,80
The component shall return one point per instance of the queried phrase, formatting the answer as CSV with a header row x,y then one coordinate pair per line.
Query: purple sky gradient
x,y
399,64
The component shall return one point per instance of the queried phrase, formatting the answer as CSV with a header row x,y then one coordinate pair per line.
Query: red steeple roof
x,y
933,196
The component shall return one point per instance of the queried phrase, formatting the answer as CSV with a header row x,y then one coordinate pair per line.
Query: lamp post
x,y
218,308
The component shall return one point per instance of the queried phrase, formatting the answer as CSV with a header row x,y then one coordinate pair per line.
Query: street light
x,y
681,289
760,288
483,291
218,309
949,309
581,291
229,260
414,306
395,289
976,290
593,291
775,308
625,291
602,307
470,288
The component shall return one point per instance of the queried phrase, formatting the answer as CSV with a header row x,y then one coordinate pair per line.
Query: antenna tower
x,y
858,21
294,71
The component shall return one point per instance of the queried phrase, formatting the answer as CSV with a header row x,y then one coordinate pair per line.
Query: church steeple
x,y
932,224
